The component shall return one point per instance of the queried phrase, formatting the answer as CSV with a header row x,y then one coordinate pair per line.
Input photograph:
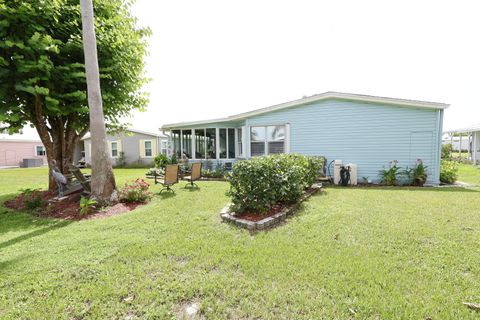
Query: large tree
x,y
42,71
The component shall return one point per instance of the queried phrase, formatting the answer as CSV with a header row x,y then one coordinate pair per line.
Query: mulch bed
x,y
255,216
254,221
68,209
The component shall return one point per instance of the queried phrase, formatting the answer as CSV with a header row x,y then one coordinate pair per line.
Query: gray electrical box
x,y
30,163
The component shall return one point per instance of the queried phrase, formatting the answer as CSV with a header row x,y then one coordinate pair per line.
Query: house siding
x,y
130,145
12,153
369,135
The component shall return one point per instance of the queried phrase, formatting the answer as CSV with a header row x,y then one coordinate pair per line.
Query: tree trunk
x,y
60,139
103,180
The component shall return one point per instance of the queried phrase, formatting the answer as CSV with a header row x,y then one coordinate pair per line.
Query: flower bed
x,y
276,214
269,188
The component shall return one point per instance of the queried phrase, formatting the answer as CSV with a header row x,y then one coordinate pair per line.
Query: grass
x,y
469,174
377,253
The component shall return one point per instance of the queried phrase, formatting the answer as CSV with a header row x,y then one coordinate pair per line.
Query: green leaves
x,y
41,54
259,183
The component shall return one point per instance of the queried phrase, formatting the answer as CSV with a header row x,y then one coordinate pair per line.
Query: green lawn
x,y
379,253
469,174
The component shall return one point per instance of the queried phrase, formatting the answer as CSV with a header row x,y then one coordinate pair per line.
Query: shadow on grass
x,y
10,263
166,195
34,233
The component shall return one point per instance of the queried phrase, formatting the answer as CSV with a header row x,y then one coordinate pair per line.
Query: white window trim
x,y
43,148
145,149
111,149
286,149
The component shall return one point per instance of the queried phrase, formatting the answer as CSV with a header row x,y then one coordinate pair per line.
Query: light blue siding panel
x,y
369,135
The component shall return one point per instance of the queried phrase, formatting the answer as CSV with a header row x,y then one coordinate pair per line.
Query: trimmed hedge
x,y
259,183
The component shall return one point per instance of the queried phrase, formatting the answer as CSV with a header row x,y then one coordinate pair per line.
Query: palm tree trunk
x,y
103,180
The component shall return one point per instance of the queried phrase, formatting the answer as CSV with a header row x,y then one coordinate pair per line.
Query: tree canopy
x,y
42,72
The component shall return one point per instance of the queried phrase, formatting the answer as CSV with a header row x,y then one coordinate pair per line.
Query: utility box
x,y
30,163
336,171
353,173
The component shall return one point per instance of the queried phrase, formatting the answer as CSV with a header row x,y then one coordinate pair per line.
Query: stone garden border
x,y
268,222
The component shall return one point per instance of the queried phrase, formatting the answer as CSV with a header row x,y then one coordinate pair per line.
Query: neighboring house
x,y
469,136
366,130
138,147
455,141
13,152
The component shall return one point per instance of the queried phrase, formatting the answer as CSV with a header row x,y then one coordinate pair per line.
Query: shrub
x,y
417,175
258,183
32,199
448,171
210,172
86,206
389,176
161,161
121,161
447,150
135,191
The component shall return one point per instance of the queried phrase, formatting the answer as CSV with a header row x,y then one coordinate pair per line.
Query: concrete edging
x,y
268,222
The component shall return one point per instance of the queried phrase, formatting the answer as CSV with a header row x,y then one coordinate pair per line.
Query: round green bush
x,y
259,183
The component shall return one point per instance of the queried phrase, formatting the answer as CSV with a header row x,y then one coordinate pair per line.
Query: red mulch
x,y
255,216
69,208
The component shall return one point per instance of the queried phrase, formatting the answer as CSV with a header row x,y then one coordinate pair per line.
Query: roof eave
x,y
315,98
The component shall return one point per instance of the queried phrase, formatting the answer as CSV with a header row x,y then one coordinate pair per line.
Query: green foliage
x,y
447,150
86,206
161,161
121,161
135,191
349,236
259,183
390,176
448,171
417,175
42,62
217,172
32,199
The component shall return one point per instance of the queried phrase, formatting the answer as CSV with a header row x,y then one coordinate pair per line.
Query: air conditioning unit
x,y
353,173
336,171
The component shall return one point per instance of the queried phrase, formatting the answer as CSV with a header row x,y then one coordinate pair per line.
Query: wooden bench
x,y
84,180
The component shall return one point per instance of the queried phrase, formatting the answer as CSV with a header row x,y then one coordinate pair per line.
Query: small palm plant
x,y
86,206
418,174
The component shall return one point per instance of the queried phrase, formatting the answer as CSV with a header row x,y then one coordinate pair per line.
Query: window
x,y
187,144
267,140
227,143
210,138
177,143
276,139
114,149
148,148
223,143
200,143
257,141
40,151
231,143
239,142
163,147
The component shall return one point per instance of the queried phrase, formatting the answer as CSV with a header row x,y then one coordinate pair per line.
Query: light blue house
x,y
365,130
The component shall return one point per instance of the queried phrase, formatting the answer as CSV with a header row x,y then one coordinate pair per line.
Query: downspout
x,y
439,146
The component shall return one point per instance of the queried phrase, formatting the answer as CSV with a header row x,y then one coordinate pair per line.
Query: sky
x,y
210,59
